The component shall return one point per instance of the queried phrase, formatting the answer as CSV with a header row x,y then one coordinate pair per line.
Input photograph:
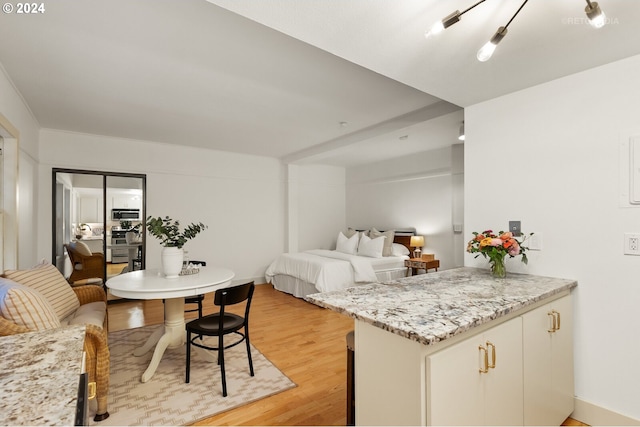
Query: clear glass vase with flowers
x,y
496,247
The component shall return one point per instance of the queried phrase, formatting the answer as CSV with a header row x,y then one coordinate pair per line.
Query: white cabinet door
x,y
455,393
562,381
91,210
460,394
504,402
126,202
548,363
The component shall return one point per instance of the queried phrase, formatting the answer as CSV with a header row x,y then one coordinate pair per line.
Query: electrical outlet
x,y
632,243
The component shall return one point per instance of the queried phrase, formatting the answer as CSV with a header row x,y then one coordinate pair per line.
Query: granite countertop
x,y
39,376
432,307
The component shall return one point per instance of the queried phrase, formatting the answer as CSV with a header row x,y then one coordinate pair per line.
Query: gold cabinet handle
x,y
484,369
92,390
553,321
491,346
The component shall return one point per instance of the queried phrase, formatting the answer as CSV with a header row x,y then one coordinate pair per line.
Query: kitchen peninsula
x,y
459,347
39,377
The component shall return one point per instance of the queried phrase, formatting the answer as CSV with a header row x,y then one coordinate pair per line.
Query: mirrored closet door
x,y
98,224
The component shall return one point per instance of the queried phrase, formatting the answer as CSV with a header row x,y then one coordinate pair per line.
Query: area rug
x,y
166,399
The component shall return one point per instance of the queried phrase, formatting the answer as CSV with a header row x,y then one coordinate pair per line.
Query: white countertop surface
x,y
432,307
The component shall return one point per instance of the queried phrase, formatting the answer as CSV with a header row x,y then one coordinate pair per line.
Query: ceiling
x,y
307,81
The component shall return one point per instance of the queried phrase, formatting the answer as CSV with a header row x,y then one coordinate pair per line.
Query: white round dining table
x,y
152,284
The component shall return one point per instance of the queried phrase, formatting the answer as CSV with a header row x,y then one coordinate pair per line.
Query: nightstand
x,y
415,264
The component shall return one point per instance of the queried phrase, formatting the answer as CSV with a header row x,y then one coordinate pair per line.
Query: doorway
x,y
98,218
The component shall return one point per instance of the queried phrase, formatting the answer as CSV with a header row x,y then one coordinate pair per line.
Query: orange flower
x,y
506,236
508,243
479,237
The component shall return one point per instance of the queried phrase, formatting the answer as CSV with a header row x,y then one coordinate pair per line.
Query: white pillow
x,y
399,250
347,245
371,247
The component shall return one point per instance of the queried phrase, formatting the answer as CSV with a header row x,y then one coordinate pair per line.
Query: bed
x,y
321,270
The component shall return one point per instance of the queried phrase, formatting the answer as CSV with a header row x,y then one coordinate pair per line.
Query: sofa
x,y
40,298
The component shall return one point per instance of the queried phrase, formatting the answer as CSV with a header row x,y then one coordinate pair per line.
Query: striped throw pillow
x,y
26,307
46,279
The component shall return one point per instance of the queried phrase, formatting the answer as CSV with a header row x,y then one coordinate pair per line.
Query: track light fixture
x,y
596,17
486,51
448,21
461,133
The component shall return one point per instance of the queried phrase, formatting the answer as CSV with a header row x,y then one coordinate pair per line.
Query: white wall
x,y
417,191
316,206
549,156
13,108
241,198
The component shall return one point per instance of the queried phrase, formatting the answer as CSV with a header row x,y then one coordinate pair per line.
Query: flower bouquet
x,y
496,248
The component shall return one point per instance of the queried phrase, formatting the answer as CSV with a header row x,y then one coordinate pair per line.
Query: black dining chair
x,y
197,299
221,324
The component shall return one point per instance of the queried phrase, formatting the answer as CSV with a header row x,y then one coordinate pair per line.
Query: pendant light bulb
x,y
440,26
596,16
486,51
436,29
461,133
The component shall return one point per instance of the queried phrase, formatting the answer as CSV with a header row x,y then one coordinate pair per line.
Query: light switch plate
x,y
514,227
535,242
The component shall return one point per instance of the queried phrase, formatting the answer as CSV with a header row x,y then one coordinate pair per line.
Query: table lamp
x,y
417,242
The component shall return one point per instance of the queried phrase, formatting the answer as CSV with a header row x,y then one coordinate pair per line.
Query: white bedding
x,y
331,270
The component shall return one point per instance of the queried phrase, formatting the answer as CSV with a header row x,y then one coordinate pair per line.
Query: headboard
x,y
403,236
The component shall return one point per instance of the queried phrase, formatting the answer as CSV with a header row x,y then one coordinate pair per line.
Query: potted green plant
x,y
172,237
125,224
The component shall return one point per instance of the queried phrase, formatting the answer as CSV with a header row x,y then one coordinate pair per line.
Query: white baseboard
x,y
594,415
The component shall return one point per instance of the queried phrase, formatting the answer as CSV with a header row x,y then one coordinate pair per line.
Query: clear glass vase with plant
x,y
496,247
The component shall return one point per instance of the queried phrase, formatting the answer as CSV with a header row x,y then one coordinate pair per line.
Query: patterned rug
x,y
166,399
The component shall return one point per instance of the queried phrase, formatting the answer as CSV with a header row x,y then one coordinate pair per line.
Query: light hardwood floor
x,y
305,342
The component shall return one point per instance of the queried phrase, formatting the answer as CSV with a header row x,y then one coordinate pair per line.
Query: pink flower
x,y
496,242
514,249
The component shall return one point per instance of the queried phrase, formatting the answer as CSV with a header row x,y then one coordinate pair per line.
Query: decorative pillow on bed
x,y
371,247
400,250
347,245
388,242
350,232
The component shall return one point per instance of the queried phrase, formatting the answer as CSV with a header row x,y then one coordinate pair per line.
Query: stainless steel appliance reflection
x,y
119,255
130,214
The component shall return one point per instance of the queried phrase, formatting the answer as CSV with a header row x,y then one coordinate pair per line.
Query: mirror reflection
x,y
98,229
